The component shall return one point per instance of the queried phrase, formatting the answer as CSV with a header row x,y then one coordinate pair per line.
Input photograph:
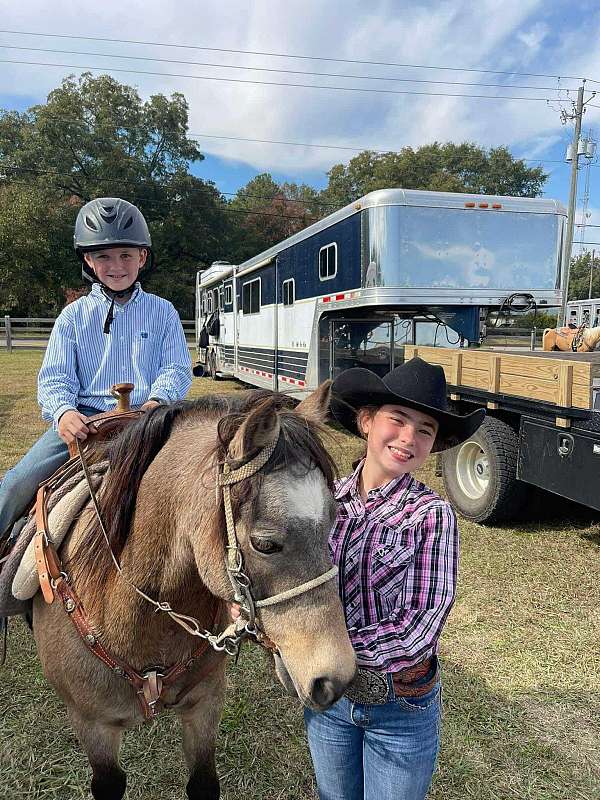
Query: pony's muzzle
x,y
324,692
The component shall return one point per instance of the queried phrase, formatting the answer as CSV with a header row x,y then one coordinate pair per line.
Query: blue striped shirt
x,y
146,346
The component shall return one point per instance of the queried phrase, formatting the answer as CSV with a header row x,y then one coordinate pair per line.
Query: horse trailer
x,y
395,267
584,312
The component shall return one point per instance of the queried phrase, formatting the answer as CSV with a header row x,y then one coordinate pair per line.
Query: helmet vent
x,y
89,222
109,218
128,224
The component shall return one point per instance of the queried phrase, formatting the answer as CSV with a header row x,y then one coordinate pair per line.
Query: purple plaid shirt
x,y
398,561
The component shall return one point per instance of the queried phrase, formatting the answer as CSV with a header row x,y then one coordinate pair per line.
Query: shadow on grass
x,y
539,745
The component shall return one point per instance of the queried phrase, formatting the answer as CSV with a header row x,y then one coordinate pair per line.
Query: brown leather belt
x,y
416,681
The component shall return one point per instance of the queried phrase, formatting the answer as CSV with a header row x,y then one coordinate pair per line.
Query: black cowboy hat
x,y
415,384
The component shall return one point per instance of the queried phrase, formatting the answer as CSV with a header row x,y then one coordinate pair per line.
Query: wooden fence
x,y
18,333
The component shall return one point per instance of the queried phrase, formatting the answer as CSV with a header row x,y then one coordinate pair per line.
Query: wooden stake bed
x,y
563,379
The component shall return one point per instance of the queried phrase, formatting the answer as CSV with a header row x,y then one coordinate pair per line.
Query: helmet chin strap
x,y
111,294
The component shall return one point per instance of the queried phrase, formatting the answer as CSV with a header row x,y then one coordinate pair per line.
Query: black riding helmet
x,y
110,222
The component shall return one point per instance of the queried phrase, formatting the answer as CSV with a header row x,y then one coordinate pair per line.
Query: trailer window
x,y
288,290
221,299
209,303
328,261
251,297
228,295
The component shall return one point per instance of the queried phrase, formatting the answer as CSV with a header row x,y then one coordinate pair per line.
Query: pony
x,y
578,340
166,527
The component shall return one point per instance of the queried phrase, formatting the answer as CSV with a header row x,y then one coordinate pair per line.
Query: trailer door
x,y
362,343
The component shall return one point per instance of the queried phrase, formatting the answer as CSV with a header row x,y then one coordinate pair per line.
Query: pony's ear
x,y
260,428
316,405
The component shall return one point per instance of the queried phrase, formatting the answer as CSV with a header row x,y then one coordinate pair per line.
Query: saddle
x,y
109,423
105,426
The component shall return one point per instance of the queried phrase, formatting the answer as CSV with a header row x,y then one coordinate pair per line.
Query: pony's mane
x,y
130,454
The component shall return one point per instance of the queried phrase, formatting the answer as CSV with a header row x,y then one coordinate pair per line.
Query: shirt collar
x,y
97,292
348,487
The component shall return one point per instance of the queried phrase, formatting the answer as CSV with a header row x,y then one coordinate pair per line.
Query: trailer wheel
x,y
480,474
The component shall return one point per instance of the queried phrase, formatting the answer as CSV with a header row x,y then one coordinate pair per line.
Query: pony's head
x,y
283,516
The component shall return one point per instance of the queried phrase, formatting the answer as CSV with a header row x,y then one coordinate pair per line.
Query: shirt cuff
x,y
60,411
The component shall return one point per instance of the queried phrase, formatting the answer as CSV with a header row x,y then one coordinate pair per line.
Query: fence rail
x,y
32,333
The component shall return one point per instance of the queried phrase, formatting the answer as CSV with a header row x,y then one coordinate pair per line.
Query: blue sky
x,y
516,36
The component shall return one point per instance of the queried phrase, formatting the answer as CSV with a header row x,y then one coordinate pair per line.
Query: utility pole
x,y
591,273
568,243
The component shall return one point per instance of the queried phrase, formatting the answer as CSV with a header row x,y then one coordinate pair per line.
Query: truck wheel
x,y
480,474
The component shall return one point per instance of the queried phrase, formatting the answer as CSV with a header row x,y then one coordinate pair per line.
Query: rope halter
x,y
235,562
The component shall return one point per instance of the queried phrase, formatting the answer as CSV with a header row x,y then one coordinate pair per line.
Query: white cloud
x,y
534,37
442,33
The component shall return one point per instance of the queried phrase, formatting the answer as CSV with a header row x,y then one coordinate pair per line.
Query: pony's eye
x,y
266,546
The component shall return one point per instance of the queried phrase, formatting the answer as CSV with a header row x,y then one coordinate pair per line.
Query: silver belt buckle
x,y
368,687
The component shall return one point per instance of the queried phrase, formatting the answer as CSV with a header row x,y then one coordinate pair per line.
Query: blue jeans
x,y
376,752
20,483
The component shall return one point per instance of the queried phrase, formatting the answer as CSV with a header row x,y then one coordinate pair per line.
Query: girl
x,y
395,542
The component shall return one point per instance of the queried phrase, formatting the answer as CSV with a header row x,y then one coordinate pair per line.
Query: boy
x,y
116,334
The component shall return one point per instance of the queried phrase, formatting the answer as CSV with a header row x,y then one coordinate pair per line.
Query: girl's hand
x,y
73,425
234,611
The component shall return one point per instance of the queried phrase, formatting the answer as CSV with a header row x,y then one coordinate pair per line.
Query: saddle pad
x,y
26,581
19,572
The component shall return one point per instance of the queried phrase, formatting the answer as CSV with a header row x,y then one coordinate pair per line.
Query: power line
x,y
336,147
307,218
277,83
121,56
127,181
302,57
379,150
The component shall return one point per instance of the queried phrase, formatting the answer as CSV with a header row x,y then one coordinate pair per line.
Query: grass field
x,y
521,656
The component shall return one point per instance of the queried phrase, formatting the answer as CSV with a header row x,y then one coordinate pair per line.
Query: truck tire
x,y
480,475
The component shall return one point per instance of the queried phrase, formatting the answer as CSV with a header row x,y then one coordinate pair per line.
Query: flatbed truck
x,y
542,428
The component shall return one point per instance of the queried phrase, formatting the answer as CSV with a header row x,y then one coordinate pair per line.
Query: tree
x,y
266,212
437,167
579,276
95,137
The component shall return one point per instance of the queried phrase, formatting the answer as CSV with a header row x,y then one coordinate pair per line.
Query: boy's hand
x,y
73,425
150,404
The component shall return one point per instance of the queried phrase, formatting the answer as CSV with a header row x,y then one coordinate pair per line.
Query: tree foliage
x,y
579,276
95,137
267,212
437,167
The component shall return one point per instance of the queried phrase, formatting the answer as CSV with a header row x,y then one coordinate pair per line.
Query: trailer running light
x,y
483,205
496,205
469,205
